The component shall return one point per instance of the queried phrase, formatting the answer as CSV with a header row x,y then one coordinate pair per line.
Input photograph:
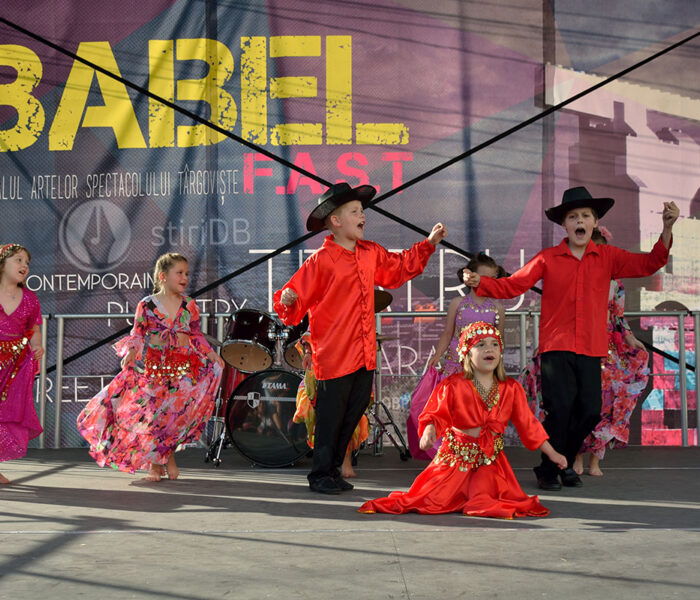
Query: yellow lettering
x,y
286,134
208,89
30,112
253,89
385,134
161,81
339,89
117,111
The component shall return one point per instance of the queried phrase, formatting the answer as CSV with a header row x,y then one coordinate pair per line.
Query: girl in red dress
x,y
470,473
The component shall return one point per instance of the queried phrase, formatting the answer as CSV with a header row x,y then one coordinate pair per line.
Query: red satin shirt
x,y
336,287
574,308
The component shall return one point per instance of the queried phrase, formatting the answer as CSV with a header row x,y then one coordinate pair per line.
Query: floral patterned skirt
x,y
135,421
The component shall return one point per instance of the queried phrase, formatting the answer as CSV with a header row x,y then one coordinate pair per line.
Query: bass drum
x,y
259,417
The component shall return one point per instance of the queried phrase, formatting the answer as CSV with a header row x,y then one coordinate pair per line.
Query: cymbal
x,y
212,340
382,299
384,338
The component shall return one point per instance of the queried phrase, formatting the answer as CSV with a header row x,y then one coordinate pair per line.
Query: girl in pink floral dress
x,y
141,418
20,348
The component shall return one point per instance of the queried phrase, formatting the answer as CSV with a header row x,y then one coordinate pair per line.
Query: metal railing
x,y
221,319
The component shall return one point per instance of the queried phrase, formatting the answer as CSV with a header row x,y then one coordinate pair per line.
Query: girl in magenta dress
x,y
141,418
470,473
20,349
624,376
461,312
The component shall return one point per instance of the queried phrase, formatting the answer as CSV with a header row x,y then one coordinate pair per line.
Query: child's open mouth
x,y
580,231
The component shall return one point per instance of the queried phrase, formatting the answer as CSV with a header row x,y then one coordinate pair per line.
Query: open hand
x,y
38,352
437,234
288,297
632,341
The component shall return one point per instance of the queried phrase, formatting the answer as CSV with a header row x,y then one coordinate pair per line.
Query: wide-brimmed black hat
x,y
578,197
336,196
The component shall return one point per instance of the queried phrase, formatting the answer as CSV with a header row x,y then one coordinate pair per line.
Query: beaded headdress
x,y
7,249
473,333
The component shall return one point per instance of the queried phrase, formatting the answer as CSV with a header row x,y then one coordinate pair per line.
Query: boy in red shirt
x,y
335,285
576,278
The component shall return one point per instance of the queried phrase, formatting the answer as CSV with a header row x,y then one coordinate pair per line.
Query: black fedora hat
x,y
335,196
578,197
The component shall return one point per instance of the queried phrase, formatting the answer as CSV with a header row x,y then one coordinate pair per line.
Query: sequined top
x,y
22,319
468,311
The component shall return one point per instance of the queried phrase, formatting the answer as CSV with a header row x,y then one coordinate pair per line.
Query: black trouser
x,y
340,404
571,398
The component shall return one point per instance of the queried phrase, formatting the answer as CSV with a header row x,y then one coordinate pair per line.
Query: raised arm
x,y
507,287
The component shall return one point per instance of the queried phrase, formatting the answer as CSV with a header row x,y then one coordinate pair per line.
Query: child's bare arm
x,y
428,438
553,455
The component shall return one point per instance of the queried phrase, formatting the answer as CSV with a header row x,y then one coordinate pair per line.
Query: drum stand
x,y
381,427
219,437
381,423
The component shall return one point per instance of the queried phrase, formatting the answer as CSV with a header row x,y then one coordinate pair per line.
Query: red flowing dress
x,y
471,474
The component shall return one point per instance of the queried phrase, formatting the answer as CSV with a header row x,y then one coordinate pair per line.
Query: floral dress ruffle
x,y
143,416
624,375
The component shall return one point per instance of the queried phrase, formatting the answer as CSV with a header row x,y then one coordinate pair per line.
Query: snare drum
x,y
291,354
259,419
248,346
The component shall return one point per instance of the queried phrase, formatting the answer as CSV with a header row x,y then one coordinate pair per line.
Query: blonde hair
x,y
8,250
164,263
469,369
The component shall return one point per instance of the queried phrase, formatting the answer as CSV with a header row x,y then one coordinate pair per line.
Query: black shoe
x,y
325,485
548,483
345,486
569,478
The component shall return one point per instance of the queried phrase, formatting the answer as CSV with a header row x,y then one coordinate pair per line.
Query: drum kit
x,y
256,406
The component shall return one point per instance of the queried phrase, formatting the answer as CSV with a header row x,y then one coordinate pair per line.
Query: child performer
x,y
470,473
461,312
576,277
623,378
20,349
335,285
306,409
465,310
141,418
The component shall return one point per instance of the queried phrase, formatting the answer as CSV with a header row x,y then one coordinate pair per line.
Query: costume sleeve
x,y
530,430
393,269
437,410
514,285
634,264
308,285
196,336
135,340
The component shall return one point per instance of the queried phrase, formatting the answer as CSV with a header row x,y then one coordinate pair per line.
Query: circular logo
x,y
95,236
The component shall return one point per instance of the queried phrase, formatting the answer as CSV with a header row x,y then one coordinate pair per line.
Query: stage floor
x,y
69,529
